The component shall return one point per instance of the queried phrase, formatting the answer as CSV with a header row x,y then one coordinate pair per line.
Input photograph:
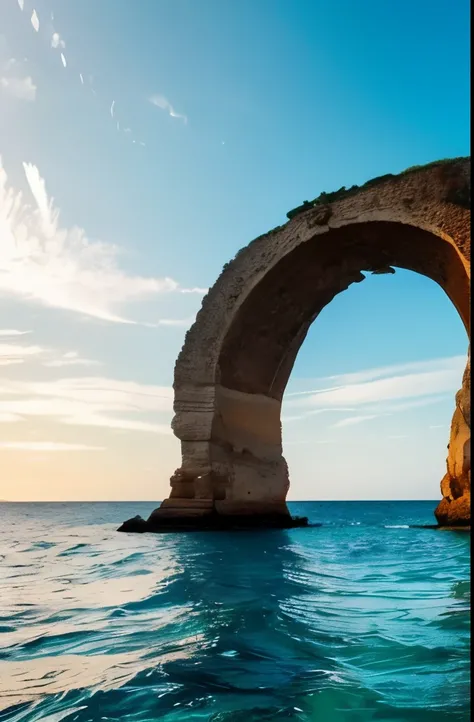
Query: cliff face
x,y
455,507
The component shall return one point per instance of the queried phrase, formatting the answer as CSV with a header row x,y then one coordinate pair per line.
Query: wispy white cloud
x,y
312,441
391,407
70,358
12,332
197,289
316,412
159,101
21,4
91,401
371,374
35,20
395,370
180,322
352,420
19,88
374,386
14,353
11,353
63,60
62,268
373,393
112,108
312,391
47,446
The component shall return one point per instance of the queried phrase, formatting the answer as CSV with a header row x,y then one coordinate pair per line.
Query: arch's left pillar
x,y
233,466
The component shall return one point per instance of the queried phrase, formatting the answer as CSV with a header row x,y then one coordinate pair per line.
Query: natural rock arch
x,y
236,360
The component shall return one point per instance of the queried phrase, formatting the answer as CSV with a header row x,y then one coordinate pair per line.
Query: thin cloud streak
x,y
353,420
400,370
434,377
382,372
60,267
182,322
159,101
172,322
90,401
198,290
47,446
316,412
13,353
10,351
312,391
301,442
377,394
71,358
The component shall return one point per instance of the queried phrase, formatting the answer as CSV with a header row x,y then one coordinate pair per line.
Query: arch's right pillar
x,y
455,507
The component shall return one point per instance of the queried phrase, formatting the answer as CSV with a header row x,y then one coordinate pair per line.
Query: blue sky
x,y
171,134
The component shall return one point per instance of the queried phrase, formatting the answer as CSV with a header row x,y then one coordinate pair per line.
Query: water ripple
x,y
361,618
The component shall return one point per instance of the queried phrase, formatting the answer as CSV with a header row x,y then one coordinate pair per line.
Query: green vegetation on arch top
x,y
326,198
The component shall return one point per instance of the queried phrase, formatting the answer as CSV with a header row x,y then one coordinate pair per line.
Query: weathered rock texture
x,y
234,366
455,507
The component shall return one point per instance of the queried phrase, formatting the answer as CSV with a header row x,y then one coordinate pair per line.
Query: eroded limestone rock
x,y
455,507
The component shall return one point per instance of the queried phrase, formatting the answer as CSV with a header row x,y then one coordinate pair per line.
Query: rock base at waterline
x,y
211,522
454,513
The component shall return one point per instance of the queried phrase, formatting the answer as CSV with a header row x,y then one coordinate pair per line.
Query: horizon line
x,y
151,501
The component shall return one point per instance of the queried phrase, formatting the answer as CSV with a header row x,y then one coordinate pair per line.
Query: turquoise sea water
x,y
359,619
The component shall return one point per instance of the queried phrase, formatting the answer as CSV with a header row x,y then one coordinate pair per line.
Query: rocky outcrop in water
x,y
455,507
158,523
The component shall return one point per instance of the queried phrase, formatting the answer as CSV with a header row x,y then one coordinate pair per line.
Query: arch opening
x,y
367,410
261,345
